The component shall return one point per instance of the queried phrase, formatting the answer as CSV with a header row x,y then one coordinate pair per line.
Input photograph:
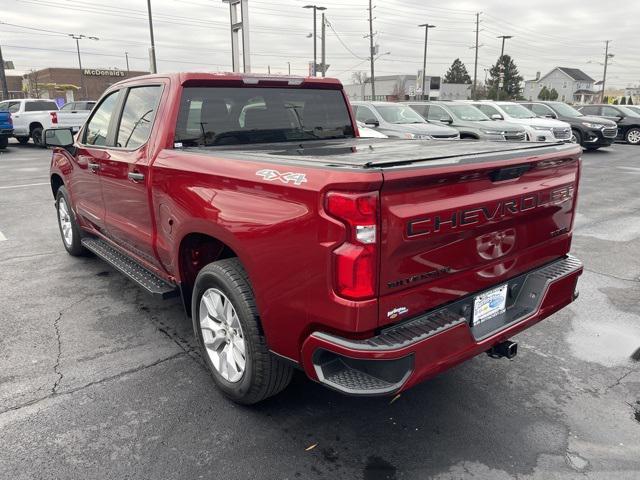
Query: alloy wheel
x,y
65,222
222,335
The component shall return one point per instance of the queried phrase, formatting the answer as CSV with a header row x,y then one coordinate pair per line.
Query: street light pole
x,y
77,38
315,36
424,58
152,52
503,37
126,56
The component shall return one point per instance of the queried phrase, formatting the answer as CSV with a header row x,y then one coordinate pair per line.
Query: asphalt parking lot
x,y
99,381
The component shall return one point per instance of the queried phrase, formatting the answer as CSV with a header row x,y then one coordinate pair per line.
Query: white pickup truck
x,y
32,116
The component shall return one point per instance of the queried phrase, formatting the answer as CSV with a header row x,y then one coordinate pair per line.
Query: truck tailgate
x,y
452,229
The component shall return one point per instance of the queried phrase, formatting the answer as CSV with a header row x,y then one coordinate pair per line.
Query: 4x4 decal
x,y
288,177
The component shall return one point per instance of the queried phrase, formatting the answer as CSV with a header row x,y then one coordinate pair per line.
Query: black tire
x,y
74,247
265,374
577,137
22,140
632,136
36,135
4,141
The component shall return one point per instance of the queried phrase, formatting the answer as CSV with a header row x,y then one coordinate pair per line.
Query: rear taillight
x,y
355,261
54,117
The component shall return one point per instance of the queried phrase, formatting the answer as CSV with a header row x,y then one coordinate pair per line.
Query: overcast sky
x,y
194,35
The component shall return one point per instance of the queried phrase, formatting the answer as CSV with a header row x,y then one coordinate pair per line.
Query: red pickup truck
x,y
371,264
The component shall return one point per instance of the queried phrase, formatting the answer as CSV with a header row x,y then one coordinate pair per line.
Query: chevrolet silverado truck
x,y
6,129
370,264
31,116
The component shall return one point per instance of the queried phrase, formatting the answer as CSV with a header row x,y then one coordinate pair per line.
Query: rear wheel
x,y
4,141
22,140
36,135
233,345
69,229
633,136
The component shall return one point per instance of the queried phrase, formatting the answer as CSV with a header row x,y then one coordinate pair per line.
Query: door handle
x,y
94,167
135,176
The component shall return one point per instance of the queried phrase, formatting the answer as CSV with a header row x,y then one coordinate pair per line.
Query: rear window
x,y
40,106
212,116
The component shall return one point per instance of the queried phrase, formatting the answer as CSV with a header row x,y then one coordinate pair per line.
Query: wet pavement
x,y
99,381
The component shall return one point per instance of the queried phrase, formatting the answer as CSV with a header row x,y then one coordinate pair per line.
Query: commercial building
x,y
405,87
66,84
572,85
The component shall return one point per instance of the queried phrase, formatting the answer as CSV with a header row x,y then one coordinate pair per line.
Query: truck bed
x,y
384,153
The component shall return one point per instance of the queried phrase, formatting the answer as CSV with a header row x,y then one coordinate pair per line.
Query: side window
x,y
421,109
488,110
590,110
437,113
540,110
137,116
11,107
98,126
364,114
40,106
610,112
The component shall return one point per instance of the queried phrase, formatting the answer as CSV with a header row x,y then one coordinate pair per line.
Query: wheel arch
x,y
34,125
56,183
195,251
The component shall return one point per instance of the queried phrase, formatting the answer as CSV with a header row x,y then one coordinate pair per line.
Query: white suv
x,y
538,129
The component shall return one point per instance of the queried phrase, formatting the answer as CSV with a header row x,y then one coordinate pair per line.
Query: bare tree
x,y
359,78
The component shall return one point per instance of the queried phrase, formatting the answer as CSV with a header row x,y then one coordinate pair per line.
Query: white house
x,y
572,85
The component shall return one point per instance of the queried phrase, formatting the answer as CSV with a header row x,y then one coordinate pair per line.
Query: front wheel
x,y
4,141
69,229
576,137
22,140
233,345
633,136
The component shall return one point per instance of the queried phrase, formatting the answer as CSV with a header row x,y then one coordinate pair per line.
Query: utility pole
x,y
323,57
3,78
126,56
152,52
424,59
503,37
77,38
289,67
372,52
475,67
315,36
606,62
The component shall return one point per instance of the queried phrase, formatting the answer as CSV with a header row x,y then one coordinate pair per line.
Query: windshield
x,y
399,114
565,110
517,111
468,113
212,116
628,111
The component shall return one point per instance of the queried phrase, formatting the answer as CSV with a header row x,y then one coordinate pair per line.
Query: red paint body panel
x,y
285,240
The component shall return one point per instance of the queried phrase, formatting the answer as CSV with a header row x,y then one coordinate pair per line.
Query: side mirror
x,y
58,137
496,116
372,122
446,120
550,115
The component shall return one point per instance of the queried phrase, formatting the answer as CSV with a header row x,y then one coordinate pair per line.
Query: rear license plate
x,y
489,304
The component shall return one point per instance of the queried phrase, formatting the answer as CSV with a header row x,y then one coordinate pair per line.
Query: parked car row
x,y
29,117
591,126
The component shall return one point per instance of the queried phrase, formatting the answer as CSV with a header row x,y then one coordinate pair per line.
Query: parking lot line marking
x,y
2,237
25,185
